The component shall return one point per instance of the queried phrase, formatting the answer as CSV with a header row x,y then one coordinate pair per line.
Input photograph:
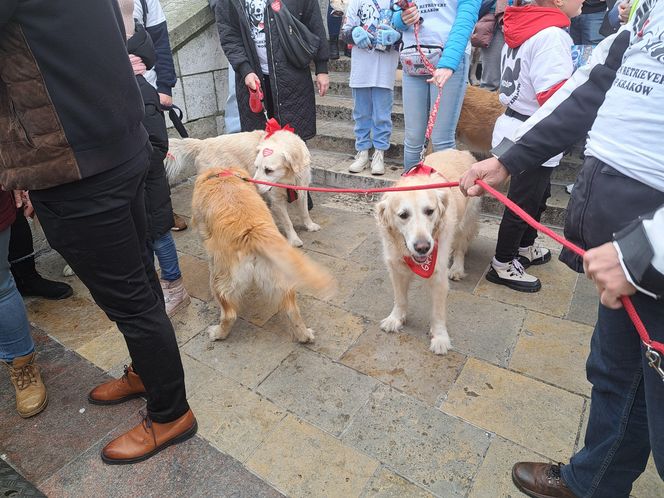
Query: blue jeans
x,y
418,98
584,29
231,112
164,248
15,338
627,406
372,112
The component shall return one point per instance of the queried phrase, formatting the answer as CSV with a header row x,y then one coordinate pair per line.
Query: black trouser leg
x,y
20,240
98,225
530,191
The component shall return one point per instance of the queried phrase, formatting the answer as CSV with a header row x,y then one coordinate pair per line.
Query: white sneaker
x,y
512,275
534,255
175,296
569,188
378,163
361,162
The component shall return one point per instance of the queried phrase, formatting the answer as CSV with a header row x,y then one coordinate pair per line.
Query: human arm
x,y
164,66
457,40
230,36
312,19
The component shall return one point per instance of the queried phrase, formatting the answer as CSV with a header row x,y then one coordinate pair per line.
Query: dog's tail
x,y
298,269
182,152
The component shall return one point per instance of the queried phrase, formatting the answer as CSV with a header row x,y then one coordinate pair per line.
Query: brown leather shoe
x,y
31,397
540,480
148,438
178,223
116,391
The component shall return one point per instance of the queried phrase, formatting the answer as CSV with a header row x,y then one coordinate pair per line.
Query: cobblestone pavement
x,y
356,413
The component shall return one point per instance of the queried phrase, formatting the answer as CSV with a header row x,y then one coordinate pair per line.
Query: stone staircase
x,y
333,148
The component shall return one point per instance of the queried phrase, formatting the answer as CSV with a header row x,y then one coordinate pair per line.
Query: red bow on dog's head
x,y
272,126
420,169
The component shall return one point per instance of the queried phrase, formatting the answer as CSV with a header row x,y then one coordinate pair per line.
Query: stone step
x,y
339,86
341,108
338,136
341,65
331,169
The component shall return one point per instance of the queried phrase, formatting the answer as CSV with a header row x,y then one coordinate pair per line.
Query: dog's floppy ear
x,y
443,199
297,156
381,212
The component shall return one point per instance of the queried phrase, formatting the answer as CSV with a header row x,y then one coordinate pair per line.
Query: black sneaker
x,y
514,276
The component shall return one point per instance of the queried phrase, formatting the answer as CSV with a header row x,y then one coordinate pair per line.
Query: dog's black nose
x,y
422,247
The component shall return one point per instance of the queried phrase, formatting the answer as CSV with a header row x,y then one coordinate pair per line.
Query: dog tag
x,y
292,195
426,268
267,152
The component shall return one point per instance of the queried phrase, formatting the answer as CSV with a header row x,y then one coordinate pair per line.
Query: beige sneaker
x,y
361,162
175,296
31,397
378,163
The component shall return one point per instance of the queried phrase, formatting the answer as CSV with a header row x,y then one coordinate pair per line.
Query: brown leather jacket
x,y
69,104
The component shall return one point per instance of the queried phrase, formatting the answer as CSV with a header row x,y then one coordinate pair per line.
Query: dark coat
x,y
293,96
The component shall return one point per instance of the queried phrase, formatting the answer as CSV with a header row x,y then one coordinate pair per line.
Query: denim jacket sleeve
x,y
466,18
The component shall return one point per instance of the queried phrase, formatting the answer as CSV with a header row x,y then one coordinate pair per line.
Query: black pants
x,y
98,224
20,240
530,191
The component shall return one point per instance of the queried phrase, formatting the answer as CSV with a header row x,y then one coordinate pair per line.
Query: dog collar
x,y
419,169
426,268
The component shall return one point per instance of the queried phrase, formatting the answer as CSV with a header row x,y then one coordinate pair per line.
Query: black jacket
x,y
69,103
294,101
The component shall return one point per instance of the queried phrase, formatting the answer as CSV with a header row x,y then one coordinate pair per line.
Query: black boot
x,y
334,48
31,283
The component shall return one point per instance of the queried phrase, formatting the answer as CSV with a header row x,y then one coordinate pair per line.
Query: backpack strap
x,y
144,6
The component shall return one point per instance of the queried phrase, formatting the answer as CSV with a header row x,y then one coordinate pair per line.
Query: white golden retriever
x,y
282,157
417,225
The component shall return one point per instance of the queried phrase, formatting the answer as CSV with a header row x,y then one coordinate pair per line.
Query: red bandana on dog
x,y
420,169
425,269
272,126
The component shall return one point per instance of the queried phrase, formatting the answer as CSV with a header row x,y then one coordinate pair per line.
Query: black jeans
x,y
98,224
20,241
530,191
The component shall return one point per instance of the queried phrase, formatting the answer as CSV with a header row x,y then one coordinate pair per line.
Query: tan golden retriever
x,y
245,247
478,116
414,225
281,158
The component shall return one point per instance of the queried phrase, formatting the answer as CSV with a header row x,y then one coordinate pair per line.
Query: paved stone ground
x,y
357,413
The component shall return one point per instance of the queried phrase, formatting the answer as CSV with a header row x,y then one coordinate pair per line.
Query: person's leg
x,y
591,24
616,445
529,252
231,112
333,29
576,30
362,111
443,135
172,285
15,338
416,114
98,225
22,260
491,61
382,99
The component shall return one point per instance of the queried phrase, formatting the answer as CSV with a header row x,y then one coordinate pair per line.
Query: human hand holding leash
x,y
252,81
361,37
602,266
440,76
410,15
165,100
490,171
22,200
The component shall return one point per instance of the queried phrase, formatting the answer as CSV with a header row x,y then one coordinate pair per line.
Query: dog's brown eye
x,y
268,171
404,215
428,211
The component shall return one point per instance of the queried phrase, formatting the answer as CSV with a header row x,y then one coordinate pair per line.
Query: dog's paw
x,y
312,227
457,274
392,324
215,334
307,337
440,344
67,271
295,241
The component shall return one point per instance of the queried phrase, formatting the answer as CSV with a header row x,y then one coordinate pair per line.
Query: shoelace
x,y
24,377
516,269
147,425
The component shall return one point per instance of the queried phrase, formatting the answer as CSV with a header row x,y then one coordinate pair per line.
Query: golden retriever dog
x,y
479,112
417,225
282,157
245,247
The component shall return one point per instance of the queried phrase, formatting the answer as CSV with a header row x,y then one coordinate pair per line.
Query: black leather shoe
x,y
540,480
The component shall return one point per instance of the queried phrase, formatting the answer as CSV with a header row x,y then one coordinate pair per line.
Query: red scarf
x,y
425,269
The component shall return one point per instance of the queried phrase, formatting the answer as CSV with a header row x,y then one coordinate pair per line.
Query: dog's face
x,y
339,7
282,158
415,217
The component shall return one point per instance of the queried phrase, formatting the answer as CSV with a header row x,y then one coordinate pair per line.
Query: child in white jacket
x,y
367,26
